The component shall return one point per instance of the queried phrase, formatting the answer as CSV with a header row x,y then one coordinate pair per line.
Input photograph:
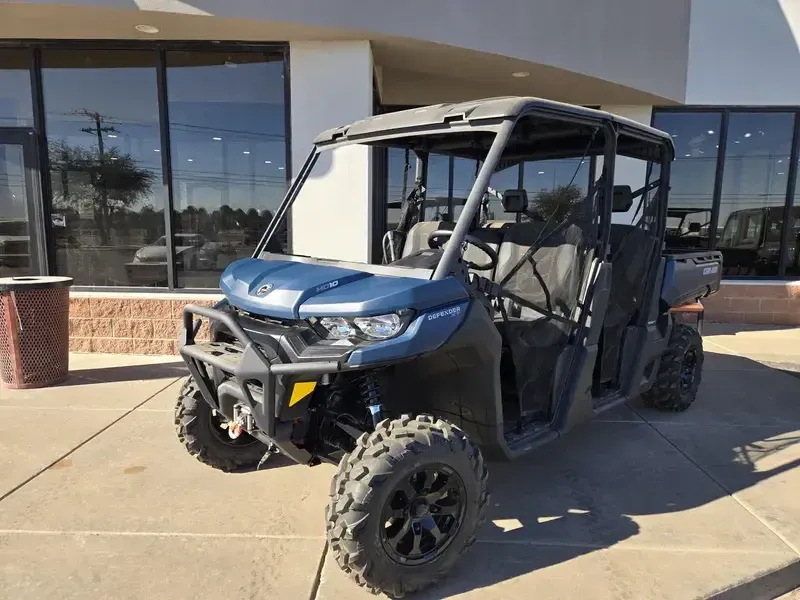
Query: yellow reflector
x,y
301,390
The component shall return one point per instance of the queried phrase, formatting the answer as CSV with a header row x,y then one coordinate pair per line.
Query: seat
x,y
491,233
550,280
417,238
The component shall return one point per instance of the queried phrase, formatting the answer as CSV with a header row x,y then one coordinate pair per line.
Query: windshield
x,y
332,214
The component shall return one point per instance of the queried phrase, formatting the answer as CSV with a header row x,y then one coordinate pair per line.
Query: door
x,y
22,248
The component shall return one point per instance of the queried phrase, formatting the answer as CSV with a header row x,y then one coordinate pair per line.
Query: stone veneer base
x,y
133,323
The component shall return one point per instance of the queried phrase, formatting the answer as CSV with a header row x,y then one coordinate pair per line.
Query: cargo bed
x,y
690,275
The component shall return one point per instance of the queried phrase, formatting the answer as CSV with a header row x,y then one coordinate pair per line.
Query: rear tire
x,y
680,371
406,504
204,439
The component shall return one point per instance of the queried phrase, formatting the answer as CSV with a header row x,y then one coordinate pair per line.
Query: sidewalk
x,y
99,500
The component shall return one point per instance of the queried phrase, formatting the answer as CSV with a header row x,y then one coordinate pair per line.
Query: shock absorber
x,y
371,396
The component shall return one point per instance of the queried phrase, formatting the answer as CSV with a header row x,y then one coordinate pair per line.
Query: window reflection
x,y
438,189
554,185
754,192
691,196
464,171
400,182
792,244
227,128
101,112
16,108
15,241
507,179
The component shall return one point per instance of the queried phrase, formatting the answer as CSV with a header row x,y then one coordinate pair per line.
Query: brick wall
x,y
138,324
125,325
771,303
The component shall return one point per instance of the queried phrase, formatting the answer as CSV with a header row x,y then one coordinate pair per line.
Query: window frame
x,y
725,112
160,49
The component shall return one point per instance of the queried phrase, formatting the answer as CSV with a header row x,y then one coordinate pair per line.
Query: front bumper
x,y
252,374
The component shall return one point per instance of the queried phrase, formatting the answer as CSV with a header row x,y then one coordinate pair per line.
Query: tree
x,y
554,205
101,181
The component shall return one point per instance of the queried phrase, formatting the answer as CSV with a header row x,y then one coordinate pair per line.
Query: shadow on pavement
x,y
575,496
176,368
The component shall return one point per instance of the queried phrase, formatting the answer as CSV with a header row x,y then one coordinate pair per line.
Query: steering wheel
x,y
439,237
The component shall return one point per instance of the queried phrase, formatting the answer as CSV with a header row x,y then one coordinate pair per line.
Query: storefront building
x,y
145,144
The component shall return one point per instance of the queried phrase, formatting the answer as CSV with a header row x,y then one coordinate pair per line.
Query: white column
x,y
628,171
331,85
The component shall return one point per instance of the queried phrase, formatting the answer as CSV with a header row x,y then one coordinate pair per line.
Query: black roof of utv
x,y
486,113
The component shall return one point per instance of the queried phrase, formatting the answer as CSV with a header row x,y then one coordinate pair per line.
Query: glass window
x,y
692,176
792,248
556,182
15,242
507,179
754,192
438,189
400,182
464,171
228,136
101,111
16,106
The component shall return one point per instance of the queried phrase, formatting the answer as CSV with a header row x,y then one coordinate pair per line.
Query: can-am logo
x,y
264,290
327,286
447,312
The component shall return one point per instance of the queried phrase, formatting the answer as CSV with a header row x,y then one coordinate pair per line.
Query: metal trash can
x,y
34,331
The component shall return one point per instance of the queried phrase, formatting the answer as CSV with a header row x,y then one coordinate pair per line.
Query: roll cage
x,y
499,133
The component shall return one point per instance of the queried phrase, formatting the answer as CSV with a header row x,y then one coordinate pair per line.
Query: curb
x,y
768,585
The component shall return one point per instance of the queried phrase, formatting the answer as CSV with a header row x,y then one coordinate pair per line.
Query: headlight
x,y
379,327
337,327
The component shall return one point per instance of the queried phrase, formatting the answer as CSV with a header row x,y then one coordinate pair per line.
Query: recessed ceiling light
x,y
114,158
688,155
267,162
737,142
190,159
146,29
280,168
541,172
780,161
710,132
217,139
780,173
520,74
156,150
246,152
747,134
111,135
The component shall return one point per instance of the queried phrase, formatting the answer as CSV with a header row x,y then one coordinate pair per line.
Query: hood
x,y
294,290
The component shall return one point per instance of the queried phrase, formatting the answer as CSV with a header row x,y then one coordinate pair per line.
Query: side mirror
x,y
623,199
695,227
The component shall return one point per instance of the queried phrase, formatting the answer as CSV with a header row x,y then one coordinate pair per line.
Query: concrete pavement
x,y
100,500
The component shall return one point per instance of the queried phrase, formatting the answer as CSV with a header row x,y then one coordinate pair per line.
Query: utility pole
x,y
99,129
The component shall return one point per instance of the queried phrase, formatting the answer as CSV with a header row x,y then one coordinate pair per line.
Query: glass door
x,y
22,250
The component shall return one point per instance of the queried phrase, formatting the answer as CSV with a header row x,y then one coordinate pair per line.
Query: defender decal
x,y
447,312
710,270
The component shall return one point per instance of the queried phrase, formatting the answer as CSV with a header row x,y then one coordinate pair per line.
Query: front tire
x,y
406,504
199,432
680,371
